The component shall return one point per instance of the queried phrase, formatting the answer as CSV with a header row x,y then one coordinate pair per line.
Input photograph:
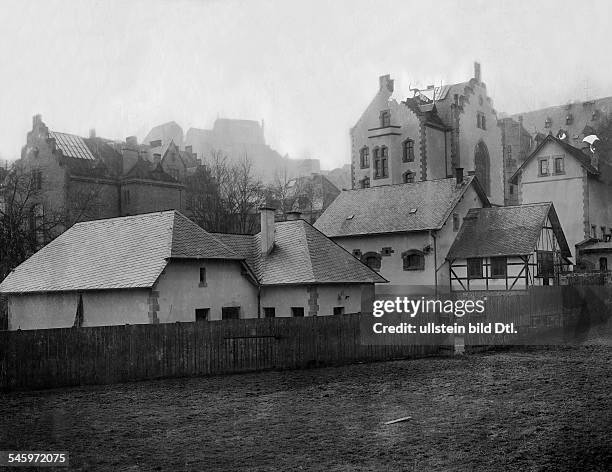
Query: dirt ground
x,y
522,410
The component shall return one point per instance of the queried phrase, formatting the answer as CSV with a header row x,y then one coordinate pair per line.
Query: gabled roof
x,y
117,253
505,231
301,255
576,153
71,145
418,206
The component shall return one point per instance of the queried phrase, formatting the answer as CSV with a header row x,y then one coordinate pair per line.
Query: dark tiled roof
x,y
419,206
505,231
301,255
576,153
127,252
145,170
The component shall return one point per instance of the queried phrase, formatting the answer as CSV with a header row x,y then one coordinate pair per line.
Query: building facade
x,y
428,136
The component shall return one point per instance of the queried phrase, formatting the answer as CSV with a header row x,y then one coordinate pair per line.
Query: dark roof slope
x,y
126,252
301,255
576,153
505,231
418,206
144,170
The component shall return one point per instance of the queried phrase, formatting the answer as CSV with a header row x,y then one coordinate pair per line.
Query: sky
x,y
307,68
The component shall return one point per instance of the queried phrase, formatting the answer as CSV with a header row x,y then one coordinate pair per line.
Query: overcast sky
x,y
307,68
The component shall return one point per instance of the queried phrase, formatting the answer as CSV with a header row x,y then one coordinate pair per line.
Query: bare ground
x,y
527,410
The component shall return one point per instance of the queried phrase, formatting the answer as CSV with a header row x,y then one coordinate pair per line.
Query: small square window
x,y
498,267
474,268
543,166
297,311
338,310
202,276
387,251
269,312
357,253
201,314
230,313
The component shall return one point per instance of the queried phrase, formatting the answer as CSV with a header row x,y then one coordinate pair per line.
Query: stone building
x,y
91,178
428,136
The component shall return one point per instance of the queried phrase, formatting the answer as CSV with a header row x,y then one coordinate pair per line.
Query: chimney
x,y
36,119
477,71
459,175
156,143
131,141
385,83
268,229
92,132
189,149
294,215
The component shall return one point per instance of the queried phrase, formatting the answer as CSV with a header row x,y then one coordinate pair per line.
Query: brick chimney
x,y
294,215
268,230
92,132
477,71
385,83
459,175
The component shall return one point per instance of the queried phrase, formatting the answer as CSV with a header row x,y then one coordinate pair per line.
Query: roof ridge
x,y
139,215
309,247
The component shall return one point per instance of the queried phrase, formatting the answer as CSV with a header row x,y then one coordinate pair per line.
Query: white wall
x,y
58,310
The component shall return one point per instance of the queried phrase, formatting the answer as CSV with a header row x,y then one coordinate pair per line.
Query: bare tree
x,y
244,195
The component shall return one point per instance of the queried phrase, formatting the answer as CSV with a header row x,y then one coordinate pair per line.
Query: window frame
x,y
224,309
408,150
364,157
562,168
297,312
266,311
385,118
206,312
541,273
541,167
408,258
408,177
340,309
496,274
470,265
371,254
203,281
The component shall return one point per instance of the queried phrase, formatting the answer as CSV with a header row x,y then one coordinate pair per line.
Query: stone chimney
x,y
268,230
385,83
294,215
477,71
92,132
131,141
459,175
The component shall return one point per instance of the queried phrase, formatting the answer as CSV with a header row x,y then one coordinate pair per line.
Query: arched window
x,y
364,157
408,151
482,164
413,260
408,177
365,182
372,260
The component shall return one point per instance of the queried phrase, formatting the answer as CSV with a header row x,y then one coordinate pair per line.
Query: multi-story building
x,y
428,136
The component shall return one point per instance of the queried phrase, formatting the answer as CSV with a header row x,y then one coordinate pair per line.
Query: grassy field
x,y
515,410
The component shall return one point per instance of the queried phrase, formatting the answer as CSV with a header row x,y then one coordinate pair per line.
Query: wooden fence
x,y
101,355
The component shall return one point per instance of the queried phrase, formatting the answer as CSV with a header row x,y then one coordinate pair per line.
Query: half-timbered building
x,y
508,248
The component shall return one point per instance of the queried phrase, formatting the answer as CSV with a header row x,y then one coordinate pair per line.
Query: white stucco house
x,y
404,231
161,267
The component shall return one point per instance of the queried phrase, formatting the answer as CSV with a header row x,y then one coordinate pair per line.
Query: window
x,y
509,151
595,115
408,177
498,267
202,276
230,313
548,122
384,159
543,166
338,310
372,260
413,260
474,268
511,189
569,119
603,264
201,314
364,158
603,233
593,231
481,120
376,154
456,222
408,151
387,251
269,312
385,118
545,264
559,167
297,311
365,182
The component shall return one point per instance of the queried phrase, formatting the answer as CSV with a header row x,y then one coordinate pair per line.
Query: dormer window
x,y
408,151
364,157
548,122
385,118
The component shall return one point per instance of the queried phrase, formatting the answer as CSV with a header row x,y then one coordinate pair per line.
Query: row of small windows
x,y
558,166
383,153
498,267
569,119
407,178
412,259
